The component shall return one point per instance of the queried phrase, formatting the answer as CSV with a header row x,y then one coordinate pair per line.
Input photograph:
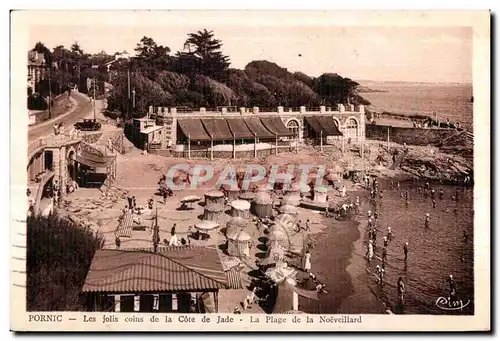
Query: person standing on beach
x,y
427,220
407,203
433,203
374,236
401,290
433,193
441,194
389,234
343,191
307,262
308,226
405,251
375,214
384,257
457,194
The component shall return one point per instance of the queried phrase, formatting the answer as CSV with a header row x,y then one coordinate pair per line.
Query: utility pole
x,y
94,97
388,143
50,95
156,232
128,87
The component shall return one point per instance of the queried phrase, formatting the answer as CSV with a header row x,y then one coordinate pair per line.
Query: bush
x,y
59,254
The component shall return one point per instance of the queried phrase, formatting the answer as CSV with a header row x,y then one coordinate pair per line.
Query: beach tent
x,y
236,225
238,244
263,205
213,212
214,197
240,208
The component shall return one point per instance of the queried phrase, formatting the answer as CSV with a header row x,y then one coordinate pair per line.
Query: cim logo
x,y
447,304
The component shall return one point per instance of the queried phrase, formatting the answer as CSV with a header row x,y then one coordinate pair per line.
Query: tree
x,y
335,89
204,48
75,48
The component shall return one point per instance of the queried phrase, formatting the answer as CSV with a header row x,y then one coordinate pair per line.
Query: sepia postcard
x,y
250,171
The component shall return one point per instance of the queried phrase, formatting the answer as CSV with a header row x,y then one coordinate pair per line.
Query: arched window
x,y
351,130
293,127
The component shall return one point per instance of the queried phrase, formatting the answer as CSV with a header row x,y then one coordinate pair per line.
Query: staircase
x,y
398,161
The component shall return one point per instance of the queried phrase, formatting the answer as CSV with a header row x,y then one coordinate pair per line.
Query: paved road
x,y
84,108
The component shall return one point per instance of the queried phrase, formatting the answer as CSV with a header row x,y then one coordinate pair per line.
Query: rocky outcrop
x,y
84,210
437,166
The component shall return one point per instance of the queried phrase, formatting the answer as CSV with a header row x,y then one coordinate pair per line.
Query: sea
x,y
434,254
448,101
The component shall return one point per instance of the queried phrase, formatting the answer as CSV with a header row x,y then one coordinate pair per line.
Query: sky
x,y
388,53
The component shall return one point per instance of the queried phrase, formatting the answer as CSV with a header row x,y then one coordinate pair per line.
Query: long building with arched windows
x,y
246,132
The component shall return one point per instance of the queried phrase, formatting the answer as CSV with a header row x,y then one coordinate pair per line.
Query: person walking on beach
x,y
427,220
308,226
173,236
386,241
401,290
405,251
369,252
384,257
380,275
389,234
433,203
381,194
374,236
307,262
453,289
433,193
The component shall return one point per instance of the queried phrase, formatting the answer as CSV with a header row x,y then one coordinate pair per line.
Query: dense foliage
x,y
198,76
58,258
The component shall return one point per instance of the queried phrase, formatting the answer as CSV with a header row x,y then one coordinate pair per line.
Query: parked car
x,y
88,125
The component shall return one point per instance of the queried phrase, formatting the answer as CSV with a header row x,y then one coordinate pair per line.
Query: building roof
x,y
275,125
255,125
193,129
149,130
329,125
93,160
217,128
178,268
239,128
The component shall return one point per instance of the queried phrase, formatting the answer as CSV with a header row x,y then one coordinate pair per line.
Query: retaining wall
x,y
411,136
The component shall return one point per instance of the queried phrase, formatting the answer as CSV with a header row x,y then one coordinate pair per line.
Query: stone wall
x,y
411,136
91,137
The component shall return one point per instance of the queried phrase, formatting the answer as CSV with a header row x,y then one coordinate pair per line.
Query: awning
x,y
93,160
218,129
329,125
275,125
313,122
256,127
239,128
170,269
193,128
